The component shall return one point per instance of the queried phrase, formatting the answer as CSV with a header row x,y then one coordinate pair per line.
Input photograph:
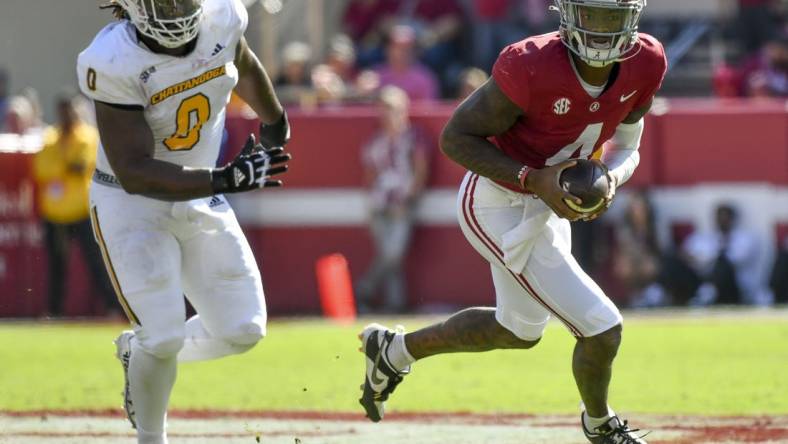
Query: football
x,y
586,180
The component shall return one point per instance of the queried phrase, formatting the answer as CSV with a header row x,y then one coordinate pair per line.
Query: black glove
x,y
251,169
275,134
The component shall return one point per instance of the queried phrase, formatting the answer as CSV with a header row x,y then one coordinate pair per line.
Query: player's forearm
x,y
256,90
477,154
162,180
255,87
622,157
625,168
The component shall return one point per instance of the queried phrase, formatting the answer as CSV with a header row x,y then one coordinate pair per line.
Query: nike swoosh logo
x,y
374,376
624,98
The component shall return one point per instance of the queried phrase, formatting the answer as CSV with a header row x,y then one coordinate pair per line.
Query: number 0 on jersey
x,y
192,114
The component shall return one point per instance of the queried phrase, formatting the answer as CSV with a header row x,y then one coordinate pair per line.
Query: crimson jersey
x,y
560,120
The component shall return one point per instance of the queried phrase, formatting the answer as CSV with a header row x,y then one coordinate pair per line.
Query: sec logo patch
x,y
562,106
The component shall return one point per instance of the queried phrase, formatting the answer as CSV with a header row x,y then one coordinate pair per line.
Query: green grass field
x,y
723,364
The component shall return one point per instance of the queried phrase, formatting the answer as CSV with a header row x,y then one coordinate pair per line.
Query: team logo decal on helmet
x,y
600,32
171,23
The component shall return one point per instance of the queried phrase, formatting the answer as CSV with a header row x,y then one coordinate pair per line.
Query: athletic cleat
x,y
612,432
381,377
123,353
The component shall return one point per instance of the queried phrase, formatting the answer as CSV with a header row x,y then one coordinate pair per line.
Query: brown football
x,y
586,180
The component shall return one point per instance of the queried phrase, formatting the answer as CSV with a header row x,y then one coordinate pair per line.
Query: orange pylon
x,y
335,288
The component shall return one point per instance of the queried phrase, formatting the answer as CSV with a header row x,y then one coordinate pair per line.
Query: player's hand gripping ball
x,y
589,181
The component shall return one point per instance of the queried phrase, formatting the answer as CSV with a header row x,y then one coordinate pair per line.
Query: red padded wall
x,y
693,142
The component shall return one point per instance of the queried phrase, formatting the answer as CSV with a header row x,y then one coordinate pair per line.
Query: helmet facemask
x,y
171,23
600,32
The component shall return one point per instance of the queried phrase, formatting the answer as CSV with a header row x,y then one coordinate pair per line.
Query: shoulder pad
x,y
650,46
108,69
227,17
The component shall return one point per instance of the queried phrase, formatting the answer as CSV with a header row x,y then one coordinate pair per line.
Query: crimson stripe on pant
x,y
473,224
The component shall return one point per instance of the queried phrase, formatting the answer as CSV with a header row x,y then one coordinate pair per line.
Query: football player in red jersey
x,y
552,98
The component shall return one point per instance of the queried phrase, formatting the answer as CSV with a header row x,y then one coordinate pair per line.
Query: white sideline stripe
x,y
337,207
761,205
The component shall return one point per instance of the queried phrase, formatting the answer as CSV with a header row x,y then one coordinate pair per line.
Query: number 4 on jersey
x,y
585,143
192,114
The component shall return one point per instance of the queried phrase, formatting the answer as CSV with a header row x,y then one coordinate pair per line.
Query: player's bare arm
x,y
129,146
255,88
486,113
639,113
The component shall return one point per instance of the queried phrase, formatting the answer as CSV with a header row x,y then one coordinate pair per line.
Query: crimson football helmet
x,y
600,32
171,23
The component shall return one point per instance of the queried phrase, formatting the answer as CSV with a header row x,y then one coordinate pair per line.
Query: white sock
x,y
592,423
199,345
398,354
150,382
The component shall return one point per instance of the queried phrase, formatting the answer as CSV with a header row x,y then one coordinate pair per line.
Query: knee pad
x,y
163,348
524,329
603,318
246,335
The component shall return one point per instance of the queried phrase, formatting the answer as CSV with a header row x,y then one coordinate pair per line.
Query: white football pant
x,y
157,252
529,250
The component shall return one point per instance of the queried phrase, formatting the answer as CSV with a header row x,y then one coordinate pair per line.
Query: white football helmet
x,y
171,23
600,32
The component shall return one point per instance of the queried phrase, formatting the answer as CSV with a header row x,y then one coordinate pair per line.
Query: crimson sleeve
x,y
658,68
511,74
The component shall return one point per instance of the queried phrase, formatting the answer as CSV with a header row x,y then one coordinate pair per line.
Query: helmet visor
x,y
601,24
172,23
600,30
172,10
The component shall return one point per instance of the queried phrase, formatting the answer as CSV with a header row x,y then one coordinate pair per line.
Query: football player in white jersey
x,y
160,77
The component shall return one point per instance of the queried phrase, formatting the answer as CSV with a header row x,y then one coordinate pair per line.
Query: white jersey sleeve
x,y
242,16
104,73
227,15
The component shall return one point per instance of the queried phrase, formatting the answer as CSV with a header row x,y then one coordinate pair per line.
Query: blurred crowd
x,y
443,49
693,267
760,70
421,46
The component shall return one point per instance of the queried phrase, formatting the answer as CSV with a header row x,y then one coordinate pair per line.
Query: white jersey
x,y
183,98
